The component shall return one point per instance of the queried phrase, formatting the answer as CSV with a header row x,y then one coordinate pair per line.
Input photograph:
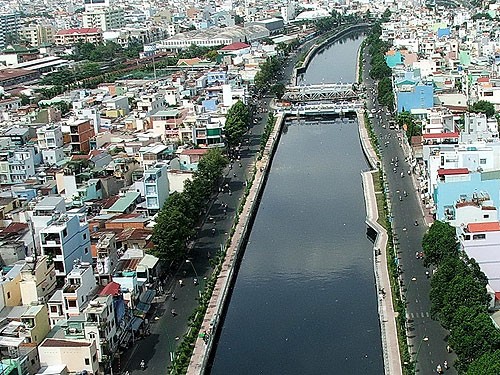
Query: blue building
x,y
156,187
414,95
446,194
216,77
393,58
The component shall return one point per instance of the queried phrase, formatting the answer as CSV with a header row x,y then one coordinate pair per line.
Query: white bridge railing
x,y
320,109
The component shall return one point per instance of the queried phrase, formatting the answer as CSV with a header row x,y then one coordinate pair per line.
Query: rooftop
x,y
83,30
492,226
64,343
451,172
124,202
235,46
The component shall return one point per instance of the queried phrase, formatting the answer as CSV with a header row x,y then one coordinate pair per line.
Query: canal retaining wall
x,y
318,46
213,319
387,316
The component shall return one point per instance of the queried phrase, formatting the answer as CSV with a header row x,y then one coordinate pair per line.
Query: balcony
x,y
71,288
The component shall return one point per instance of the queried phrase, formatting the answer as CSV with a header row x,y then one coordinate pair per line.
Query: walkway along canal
x,y
305,300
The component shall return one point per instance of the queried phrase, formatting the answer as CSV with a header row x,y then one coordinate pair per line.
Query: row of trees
x,y
176,222
91,70
379,69
459,301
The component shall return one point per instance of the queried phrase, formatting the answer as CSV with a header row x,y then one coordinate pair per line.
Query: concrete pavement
x,y
426,337
388,329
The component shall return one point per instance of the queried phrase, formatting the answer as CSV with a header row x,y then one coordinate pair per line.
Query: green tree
x,y
238,20
439,242
211,166
472,338
483,106
278,90
237,120
171,232
462,291
486,364
385,93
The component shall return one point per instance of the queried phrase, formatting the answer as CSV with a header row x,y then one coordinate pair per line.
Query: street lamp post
x,y
196,274
408,287
425,338
192,265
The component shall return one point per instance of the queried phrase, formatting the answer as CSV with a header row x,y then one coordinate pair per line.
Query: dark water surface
x,y
305,301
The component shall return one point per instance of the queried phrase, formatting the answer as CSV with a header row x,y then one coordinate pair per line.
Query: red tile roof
x,y
195,151
16,228
112,289
451,172
83,30
441,135
492,226
235,46
64,343
483,79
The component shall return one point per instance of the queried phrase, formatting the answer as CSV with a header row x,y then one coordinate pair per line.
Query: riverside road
x,y
423,331
167,330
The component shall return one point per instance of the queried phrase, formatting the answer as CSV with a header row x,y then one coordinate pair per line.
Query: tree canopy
x,y
439,242
237,121
486,364
459,298
267,73
178,217
483,106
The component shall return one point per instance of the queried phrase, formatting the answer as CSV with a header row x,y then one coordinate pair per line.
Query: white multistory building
x,y
66,240
156,187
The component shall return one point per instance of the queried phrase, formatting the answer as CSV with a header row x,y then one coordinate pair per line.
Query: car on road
x,y
374,110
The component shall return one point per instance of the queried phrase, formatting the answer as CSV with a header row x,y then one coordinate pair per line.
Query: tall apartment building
x,y
103,15
64,241
37,35
81,131
9,25
18,165
50,142
156,187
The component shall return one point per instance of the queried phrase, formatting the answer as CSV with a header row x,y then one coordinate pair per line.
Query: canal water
x,y
304,301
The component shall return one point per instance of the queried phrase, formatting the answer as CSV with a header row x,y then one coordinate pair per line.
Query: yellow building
x,y
37,286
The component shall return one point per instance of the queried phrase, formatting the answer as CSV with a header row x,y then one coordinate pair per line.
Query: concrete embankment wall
x,y
214,315
317,47
388,329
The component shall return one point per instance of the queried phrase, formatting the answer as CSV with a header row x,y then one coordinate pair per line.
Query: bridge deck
x,y
327,91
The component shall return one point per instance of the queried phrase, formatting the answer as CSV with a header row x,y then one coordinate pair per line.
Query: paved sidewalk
x,y
388,329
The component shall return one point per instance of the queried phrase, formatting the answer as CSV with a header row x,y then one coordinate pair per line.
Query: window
x,y
8,295
85,236
53,309
86,250
87,361
482,161
486,216
481,236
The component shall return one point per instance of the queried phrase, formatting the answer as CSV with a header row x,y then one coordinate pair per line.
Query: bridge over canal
x,y
323,99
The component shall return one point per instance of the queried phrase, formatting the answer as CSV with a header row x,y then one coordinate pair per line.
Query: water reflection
x,y
304,301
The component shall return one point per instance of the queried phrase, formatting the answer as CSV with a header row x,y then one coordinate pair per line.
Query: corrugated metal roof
x,y
124,202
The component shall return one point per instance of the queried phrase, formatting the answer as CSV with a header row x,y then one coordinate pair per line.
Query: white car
x,y
374,110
